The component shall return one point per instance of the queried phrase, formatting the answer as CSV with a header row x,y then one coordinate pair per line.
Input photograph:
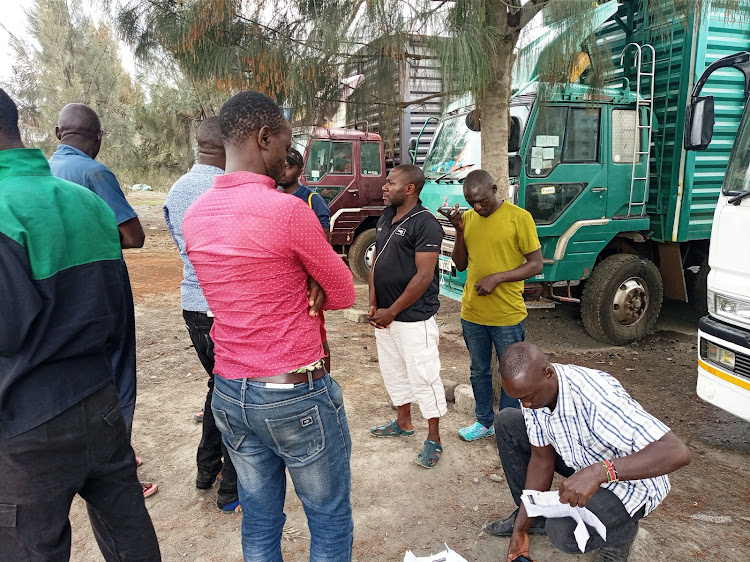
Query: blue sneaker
x,y
231,506
475,431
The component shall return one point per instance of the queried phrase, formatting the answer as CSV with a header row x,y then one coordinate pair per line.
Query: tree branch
x,y
531,9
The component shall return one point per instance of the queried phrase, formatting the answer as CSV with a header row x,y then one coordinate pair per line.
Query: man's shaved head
x,y
78,126
521,358
412,174
209,132
478,179
80,119
9,118
528,375
210,143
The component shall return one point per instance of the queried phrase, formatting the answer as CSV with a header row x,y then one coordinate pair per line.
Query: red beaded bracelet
x,y
612,475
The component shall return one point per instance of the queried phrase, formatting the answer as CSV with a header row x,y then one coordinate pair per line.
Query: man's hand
x,y
486,285
380,317
316,296
519,545
578,488
454,215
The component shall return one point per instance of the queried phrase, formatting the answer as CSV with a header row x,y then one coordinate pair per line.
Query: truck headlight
x,y
731,308
711,301
720,355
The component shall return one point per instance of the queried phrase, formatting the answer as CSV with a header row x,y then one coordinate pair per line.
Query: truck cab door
x,y
330,171
564,179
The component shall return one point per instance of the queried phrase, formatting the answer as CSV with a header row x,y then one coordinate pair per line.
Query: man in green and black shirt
x,y
61,428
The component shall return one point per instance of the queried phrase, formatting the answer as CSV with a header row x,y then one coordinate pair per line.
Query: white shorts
x,y
410,365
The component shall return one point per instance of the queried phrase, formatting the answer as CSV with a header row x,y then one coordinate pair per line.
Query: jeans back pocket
x,y
300,437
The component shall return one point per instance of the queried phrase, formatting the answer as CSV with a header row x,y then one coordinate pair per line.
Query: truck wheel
x,y
361,254
622,299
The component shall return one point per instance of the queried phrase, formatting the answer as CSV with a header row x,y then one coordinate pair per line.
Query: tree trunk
x,y
494,111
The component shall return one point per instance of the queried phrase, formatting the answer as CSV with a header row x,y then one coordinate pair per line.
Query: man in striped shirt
x,y
582,424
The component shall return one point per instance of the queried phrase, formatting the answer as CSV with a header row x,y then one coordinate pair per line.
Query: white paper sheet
x,y
547,504
446,556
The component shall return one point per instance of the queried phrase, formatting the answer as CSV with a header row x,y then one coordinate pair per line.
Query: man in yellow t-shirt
x,y
497,242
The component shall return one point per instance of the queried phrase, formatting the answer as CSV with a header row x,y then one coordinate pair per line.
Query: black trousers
x,y
85,450
515,453
211,449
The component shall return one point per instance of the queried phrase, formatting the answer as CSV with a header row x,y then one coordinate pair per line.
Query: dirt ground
x,y
397,504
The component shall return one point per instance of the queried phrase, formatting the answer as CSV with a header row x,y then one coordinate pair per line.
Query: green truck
x,y
623,212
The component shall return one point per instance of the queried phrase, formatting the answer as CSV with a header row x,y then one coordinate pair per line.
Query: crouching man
x,y
583,425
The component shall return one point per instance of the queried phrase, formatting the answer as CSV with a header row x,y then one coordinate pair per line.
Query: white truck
x,y
724,335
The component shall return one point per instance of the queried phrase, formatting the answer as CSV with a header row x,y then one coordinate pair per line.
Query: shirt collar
x,y
206,169
236,179
23,162
66,149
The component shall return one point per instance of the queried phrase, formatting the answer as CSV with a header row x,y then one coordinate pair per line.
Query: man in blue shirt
x,y
195,311
290,184
80,134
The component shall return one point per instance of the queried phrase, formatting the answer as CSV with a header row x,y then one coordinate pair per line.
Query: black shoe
x,y
205,479
504,527
614,553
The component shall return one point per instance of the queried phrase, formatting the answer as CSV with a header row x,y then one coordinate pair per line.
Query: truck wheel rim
x,y
630,301
369,255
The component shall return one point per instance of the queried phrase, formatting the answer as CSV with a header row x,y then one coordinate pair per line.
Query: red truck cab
x,y
347,168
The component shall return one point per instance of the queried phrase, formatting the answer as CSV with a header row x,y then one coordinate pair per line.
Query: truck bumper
x,y
719,384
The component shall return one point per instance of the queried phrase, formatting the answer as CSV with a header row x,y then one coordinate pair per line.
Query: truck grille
x,y
741,361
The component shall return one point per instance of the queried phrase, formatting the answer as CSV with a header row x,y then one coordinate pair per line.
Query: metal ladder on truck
x,y
638,196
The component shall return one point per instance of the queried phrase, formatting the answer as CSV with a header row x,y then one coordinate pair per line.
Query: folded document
x,y
446,556
547,504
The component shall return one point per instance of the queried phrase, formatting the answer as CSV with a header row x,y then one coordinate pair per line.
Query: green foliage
x,y
73,61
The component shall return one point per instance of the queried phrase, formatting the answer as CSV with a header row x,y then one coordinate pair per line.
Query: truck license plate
x,y
445,266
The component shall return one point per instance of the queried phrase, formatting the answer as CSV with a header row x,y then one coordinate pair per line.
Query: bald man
x,y
80,134
582,424
195,310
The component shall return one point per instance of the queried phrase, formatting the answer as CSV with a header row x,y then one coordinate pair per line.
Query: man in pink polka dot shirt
x,y
254,250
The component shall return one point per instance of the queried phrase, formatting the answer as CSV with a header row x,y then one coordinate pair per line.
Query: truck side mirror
x,y
514,165
413,149
514,135
472,120
699,123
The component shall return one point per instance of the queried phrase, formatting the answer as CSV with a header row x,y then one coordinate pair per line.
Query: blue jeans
x,y
302,429
479,341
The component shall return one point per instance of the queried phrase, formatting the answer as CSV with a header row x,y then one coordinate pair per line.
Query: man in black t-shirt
x,y
404,289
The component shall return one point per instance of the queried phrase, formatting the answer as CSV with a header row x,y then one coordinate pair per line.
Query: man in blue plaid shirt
x,y
582,424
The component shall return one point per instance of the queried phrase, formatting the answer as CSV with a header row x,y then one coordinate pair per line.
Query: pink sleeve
x,y
320,261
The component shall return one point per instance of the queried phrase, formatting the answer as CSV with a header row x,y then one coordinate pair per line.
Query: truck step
x,y
541,302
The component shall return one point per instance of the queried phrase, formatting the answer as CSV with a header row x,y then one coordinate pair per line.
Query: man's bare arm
x,y
656,459
538,477
131,233
532,266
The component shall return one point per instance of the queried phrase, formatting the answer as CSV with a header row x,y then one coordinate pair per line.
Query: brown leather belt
x,y
292,378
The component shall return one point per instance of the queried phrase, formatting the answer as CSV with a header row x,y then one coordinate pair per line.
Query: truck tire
x,y
622,299
361,254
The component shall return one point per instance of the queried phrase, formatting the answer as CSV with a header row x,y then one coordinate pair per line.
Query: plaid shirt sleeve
x,y
622,422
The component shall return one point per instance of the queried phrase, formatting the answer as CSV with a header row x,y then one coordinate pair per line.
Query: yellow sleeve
x,y
528,241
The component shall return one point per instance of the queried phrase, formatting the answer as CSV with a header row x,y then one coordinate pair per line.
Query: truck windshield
x,y
457,150
737,180
454,146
